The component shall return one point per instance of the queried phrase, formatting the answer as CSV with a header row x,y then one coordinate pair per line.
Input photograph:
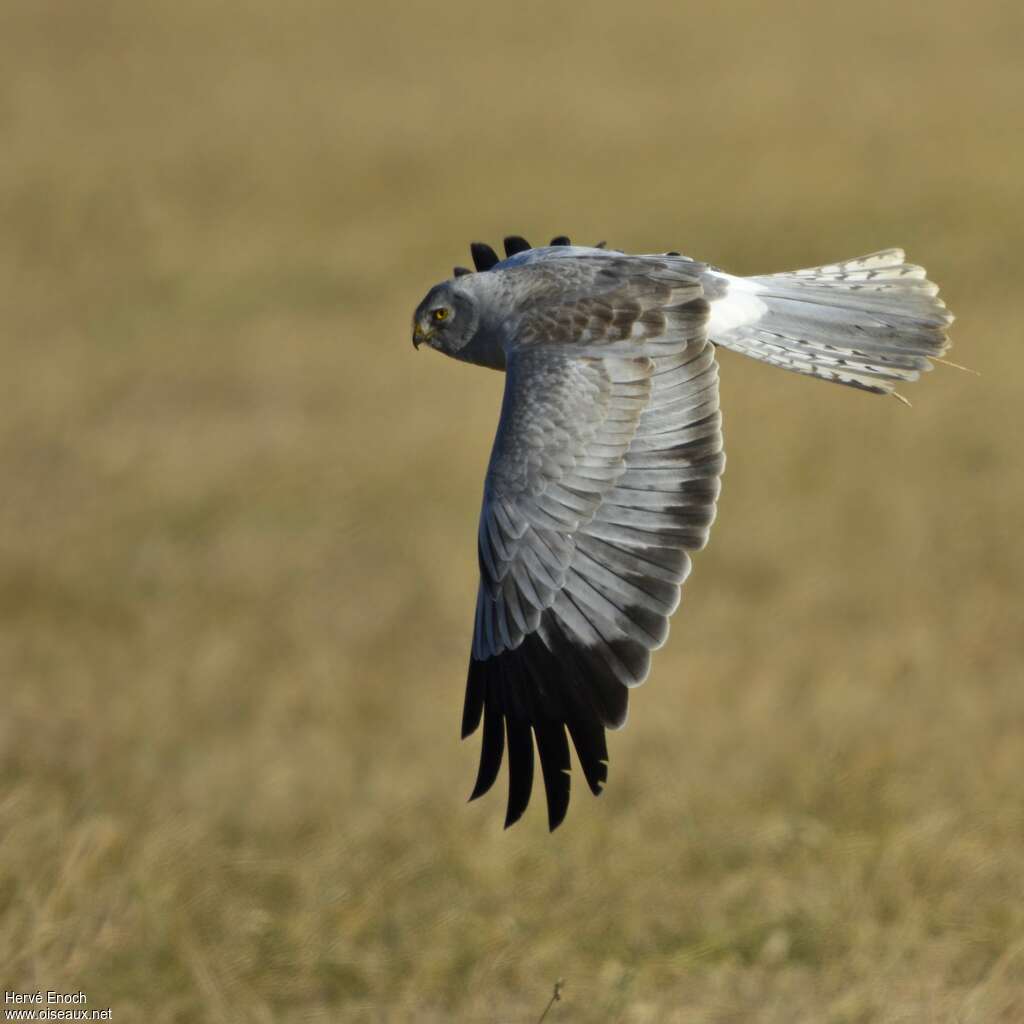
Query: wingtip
x,y
558,802
484,782
600,778
516,244
480,787
484,257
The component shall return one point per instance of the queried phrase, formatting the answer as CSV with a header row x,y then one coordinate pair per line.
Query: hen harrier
x,y
605,468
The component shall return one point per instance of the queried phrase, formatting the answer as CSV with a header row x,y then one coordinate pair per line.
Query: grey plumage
x,y
604,475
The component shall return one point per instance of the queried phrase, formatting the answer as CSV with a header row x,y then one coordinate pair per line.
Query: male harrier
x,y
605,468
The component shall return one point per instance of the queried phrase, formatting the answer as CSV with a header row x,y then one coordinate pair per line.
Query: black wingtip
x,y
561,240
516,243
476,691
520,769
492,748
461,271
537,700
484,257
553,748
600,245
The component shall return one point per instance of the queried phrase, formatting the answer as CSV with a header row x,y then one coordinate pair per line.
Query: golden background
x,y
238,515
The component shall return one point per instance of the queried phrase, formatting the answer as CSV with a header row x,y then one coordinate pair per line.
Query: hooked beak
x,y
419,336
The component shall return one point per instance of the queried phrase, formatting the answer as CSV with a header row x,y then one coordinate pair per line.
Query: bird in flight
x,y
606,465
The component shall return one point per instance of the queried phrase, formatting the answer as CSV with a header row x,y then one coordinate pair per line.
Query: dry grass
x,y
237,519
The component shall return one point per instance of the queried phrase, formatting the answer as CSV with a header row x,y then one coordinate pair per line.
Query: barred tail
x,y
868,323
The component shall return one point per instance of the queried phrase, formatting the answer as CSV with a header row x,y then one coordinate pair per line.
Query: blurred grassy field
x,y
237,519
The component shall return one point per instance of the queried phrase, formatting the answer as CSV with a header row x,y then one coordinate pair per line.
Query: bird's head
x,y
446,319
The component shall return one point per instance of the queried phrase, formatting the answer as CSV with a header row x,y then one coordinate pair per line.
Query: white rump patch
x,y
737,308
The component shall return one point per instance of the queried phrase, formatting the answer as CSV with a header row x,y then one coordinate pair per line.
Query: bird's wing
x,y
604,474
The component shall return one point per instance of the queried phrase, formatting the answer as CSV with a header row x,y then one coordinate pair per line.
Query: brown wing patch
x,y
626,300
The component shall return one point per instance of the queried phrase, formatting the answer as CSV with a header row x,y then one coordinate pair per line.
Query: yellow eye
x,y
439,315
